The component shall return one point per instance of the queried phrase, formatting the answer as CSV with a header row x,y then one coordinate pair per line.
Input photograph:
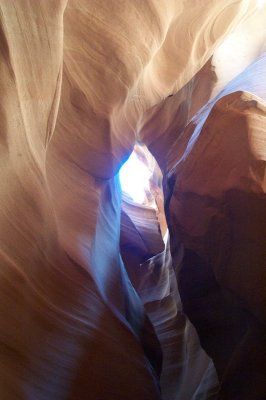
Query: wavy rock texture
x,y
216,213
80,81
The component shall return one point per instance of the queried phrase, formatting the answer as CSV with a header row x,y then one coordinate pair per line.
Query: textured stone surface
x,y
217,211
80,81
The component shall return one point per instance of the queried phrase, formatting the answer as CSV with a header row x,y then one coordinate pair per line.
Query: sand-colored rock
x,y
77,79
217,211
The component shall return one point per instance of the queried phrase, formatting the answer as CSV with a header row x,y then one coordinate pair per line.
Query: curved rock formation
x,y
215,180
80,82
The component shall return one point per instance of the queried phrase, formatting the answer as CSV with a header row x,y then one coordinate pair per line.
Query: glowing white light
x,y
261,3
134,178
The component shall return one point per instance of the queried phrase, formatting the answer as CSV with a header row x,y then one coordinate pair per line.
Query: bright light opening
x,y
261,3
135,178
141,183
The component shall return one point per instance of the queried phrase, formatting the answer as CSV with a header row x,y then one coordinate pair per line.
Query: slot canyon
x,y
103,297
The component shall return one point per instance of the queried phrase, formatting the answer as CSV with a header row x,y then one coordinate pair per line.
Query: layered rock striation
x,y
81,81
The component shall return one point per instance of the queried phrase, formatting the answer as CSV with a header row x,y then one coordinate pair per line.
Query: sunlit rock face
x,y
215,203
80,82
217,211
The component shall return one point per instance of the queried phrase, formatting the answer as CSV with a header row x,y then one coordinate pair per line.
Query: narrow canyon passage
x,y
106,294
185,369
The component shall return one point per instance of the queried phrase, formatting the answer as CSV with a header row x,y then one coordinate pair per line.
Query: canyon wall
x,y
81,81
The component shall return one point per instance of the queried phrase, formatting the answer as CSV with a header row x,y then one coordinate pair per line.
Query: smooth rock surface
x,y
79,81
